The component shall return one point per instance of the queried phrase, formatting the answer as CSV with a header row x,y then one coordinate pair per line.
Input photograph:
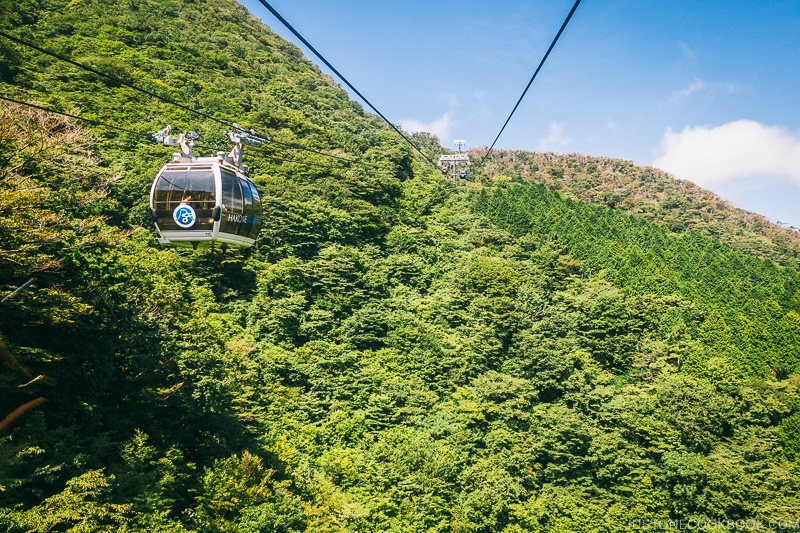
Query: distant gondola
x,y
199,201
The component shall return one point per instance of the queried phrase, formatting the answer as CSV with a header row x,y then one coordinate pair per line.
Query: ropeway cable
x,y
158,96
341,77
550,49
76,117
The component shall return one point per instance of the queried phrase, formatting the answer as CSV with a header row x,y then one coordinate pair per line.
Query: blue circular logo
x,y
184,216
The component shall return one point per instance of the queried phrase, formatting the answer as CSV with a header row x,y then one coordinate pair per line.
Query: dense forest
x,y
652,194
557,344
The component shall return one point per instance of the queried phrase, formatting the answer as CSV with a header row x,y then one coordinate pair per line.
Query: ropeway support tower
x,y
455,164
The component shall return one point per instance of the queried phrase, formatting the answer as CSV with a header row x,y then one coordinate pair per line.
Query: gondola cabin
x,y
198,201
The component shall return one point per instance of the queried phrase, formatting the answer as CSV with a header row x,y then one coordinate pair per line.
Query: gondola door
x,y
183,202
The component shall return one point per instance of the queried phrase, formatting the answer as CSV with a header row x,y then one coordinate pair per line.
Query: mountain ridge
x,y
654,195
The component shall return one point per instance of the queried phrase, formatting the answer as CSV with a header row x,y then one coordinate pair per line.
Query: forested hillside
x,y
396,352
651,194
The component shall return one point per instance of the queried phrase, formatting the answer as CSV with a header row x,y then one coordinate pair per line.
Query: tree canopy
x,y
396,352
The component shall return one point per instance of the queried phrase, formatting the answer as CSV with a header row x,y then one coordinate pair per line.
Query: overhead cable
x,y
254,133
111,78
341,77
282,160
76,117
311,150
158,96
555,40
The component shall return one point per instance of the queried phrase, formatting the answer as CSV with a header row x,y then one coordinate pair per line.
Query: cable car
x,y
198,201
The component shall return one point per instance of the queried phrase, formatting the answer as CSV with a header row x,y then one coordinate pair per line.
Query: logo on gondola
x,y
184,216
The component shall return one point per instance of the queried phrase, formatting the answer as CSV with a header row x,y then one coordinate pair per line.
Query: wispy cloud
x,y
683,94
731,88
741,149
556,139
450,98
687,51
439,127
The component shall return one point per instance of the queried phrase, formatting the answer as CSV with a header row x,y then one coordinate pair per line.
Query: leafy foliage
x,y
650,193
396,353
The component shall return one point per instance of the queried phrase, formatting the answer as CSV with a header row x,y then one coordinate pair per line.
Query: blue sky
x,y
705,90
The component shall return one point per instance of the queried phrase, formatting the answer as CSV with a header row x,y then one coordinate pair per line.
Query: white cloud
x,y
687,51
731,88
744,148
683,94
450,98
556,139
439,127
714,88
